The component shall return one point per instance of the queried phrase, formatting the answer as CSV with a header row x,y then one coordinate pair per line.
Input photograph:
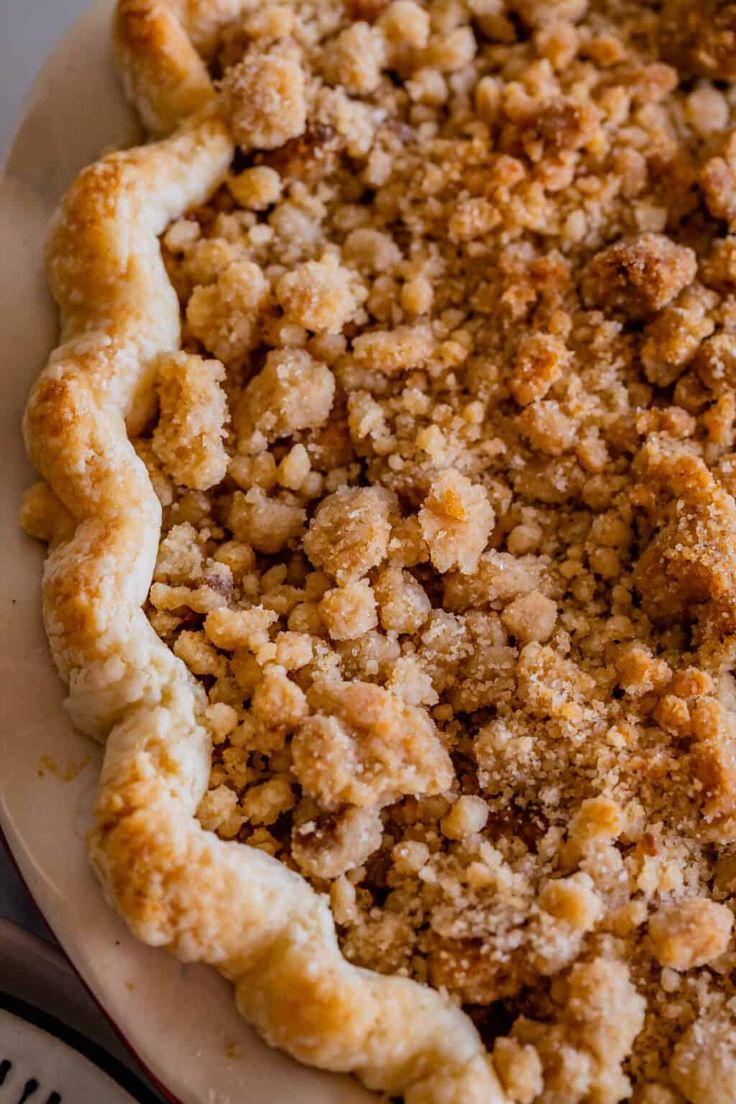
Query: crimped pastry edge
x,y
176,885
161,46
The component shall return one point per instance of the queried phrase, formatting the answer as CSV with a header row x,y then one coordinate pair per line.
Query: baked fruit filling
x,y
449,538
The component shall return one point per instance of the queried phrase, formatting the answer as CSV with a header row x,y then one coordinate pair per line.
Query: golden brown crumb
x,y
573,900
540,361
278,705
350,531
218,812
718,181
703,1065
468,815
349,611
230,629
256,188
519,1068
356,57
264,803
193,417
364,746
690,933
264,99
393,351
403,603
293,391
530,617
266,524
225,316
701,38
337,843
317,296
456,520
406,23
639,276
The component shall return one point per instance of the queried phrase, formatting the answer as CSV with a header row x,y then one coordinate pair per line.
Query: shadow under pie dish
x,y
389,491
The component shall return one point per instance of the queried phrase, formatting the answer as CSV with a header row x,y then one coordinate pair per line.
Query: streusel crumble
x,y
447,471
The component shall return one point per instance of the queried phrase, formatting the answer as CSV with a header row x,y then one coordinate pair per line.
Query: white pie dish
x,y
179,1020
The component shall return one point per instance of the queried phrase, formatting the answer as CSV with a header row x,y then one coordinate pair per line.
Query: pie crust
x,y
176,885
607,629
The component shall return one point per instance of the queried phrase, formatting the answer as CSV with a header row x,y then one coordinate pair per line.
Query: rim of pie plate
x,y
180,1021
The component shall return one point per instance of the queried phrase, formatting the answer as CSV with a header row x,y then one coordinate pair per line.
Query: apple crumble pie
x,y
447,470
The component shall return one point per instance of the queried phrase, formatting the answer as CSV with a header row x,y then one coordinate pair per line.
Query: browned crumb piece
x,y
349,533
278,706
406,25
703,1065
349,611
230,629
540,361
193,416
676,335
456,520
308,158
356,57
394,351
198,654
337,842
582,1052
264,100
402,601
256,188
700,38
716,361
530,617
364,746
572,900
718,266
499,578
547,428
226,315
293,391
690,562
218,812
690,933
266,802
263,24
718,181
268,524
519,1069
639,276
317,295
468,815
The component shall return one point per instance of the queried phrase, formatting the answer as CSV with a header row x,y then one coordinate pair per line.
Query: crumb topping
x,y
447,469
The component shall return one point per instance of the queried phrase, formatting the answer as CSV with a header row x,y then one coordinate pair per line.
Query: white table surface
x,y
29,29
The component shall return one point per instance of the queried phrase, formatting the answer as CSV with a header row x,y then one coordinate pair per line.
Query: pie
x,y
389,476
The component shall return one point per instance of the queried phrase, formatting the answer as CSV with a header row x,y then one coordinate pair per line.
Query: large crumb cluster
x,y
450,534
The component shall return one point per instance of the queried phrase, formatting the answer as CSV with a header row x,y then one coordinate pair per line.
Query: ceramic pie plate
x,y
180,1021
34,1063
54,1045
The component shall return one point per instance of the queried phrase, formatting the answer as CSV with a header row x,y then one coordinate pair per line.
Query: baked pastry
x,y
389,486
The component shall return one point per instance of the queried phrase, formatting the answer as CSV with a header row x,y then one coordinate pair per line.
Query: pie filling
x,y
449,533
